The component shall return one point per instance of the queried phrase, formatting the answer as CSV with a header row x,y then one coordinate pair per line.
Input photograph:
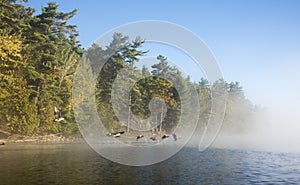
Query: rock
x,y
30,140
2,143
4,134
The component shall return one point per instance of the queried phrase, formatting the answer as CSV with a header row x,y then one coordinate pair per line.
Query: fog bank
x,y
276,129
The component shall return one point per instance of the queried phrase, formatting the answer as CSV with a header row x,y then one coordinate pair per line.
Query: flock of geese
x,y
153,138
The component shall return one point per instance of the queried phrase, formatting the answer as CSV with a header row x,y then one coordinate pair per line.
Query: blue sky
x,y
255,42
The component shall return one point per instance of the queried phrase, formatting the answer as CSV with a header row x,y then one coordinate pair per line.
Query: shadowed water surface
x,y
78,164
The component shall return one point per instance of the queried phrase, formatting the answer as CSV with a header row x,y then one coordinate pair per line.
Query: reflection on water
x,y
78,164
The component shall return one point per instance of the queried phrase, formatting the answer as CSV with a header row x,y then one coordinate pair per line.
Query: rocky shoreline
x,y
45,139
8,138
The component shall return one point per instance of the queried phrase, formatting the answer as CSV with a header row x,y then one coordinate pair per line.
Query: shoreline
x,y
45,139
61,139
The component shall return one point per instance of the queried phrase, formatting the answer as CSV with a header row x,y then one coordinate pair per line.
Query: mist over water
x,y
273,129
277,126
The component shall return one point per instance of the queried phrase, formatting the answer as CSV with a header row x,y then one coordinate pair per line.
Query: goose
x,y
59,119
174,136
57,114
115,134
165,136
153,138
139,137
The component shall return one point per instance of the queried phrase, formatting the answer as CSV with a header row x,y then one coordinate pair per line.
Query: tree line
x,y
38,58
38,54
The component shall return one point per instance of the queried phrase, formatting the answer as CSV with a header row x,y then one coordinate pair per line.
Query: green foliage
x,y
166,83
38,55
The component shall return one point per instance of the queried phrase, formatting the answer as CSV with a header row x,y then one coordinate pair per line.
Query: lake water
x,y
77,164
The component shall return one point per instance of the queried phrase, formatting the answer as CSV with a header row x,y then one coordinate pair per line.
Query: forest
x,y
39,54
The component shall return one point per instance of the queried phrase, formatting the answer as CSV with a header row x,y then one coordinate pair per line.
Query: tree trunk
x,y
156,123
128,118
161,117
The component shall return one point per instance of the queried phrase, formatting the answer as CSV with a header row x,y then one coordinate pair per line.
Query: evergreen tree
x,y
39,55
